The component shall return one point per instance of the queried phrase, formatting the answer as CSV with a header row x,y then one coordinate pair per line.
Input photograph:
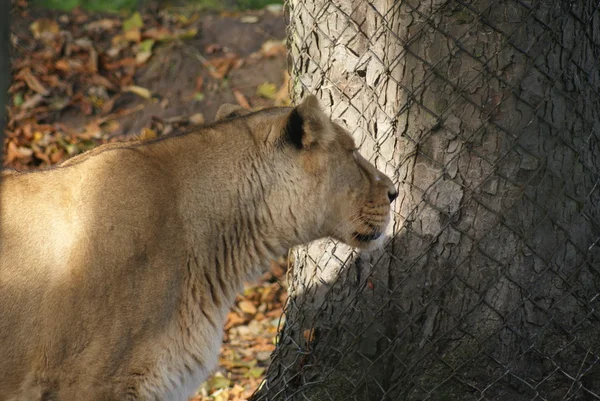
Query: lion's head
x,y
346,197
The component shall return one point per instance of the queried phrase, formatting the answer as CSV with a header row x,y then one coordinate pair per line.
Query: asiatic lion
x,y
118,267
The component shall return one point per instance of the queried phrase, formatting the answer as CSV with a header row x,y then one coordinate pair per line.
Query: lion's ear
x,y
228,110
307,125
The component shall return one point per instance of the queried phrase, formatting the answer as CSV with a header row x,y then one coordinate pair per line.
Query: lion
x,y
118,267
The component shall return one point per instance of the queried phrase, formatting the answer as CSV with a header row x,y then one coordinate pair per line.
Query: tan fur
x,y
118,267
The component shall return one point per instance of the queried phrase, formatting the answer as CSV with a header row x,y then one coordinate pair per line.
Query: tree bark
x,y
486,115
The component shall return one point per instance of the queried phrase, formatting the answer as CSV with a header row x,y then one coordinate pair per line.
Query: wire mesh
x,y
487,116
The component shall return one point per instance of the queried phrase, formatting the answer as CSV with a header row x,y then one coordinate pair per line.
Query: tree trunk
x,y
486,114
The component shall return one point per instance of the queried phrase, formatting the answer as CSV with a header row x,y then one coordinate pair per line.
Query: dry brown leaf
x,y
133,35
158,34
108,105
212,48
104,24
92,63
52,80
309,335
41,155
247,307
56,154
121,113
197,119
33,101
142,57
45,29
249,19
69,65
147,133
124,62
32,82
282,97
138,90
11,153
14,152
132,27
273,48
233,319
99,80
218,68
241,99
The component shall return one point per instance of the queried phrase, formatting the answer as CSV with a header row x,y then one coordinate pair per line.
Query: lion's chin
x,y
372,245
366,241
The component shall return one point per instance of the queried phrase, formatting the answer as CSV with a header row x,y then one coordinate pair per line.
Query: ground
x,y
82,78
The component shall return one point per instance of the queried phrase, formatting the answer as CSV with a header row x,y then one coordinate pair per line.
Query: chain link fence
x,y
487,116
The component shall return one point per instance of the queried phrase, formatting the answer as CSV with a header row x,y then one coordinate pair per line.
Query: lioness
x,y
118,267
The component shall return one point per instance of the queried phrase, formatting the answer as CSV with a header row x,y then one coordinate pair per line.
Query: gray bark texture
x,y
487,115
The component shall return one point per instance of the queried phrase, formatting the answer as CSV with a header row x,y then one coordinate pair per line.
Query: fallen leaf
x,y
45,29
247,307
282,97
162,34
11,153
58,102
267,90
39,154
104,24
132,27
18,99
124,62
138,90
147,133
249,19
274,8
159,34
197,119
187,34
92,63
212,48
272,48
52,80
102,81
234,319
69,65
263,356
135,21
217,382
56,154
219,67
144,51
255,372
92,130
32,82
108,105
241,99
133,35
16,152
309,335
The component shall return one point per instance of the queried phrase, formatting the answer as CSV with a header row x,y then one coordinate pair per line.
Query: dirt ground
x,y
172,72
81,79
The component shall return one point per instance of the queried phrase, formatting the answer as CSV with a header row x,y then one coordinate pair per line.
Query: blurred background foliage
x,y
129,5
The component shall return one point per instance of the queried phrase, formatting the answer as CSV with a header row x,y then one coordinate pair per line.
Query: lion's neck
x,y
245,227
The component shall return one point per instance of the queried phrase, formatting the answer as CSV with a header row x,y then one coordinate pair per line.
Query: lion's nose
x,y
392,194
